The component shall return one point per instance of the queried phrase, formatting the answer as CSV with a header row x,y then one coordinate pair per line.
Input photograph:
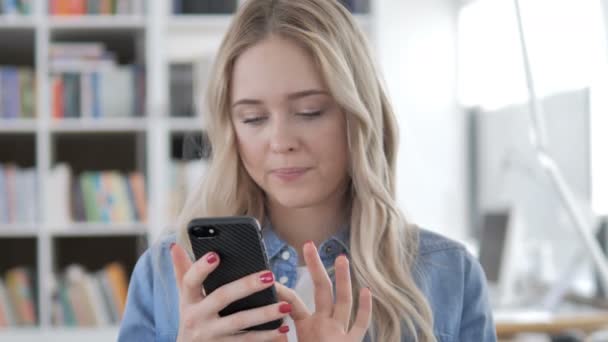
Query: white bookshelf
x,y
161,38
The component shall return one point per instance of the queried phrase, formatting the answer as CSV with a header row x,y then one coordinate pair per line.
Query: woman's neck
x,y
317,223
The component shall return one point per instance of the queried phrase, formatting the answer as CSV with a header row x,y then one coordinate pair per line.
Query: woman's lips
x,y
289,174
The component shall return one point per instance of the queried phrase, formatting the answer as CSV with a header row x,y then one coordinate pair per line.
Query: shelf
x,y
14,230
199,22
181,124
18,125
17,22
127,124
99,229
97,22
60,334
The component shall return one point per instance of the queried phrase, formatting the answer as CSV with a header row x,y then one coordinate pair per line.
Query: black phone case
x,y
241,249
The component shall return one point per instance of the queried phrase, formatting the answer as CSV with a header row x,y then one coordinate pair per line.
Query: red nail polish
x,y
284,329
211,258
285,308
267,278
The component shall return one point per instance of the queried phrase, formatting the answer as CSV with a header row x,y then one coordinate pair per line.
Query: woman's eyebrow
x,y
305,93
291,96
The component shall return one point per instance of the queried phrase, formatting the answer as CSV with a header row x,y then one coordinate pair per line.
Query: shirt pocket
x,y
443,337
166,336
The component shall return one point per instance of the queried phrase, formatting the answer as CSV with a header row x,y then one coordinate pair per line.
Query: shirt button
x,y
283,280
285,255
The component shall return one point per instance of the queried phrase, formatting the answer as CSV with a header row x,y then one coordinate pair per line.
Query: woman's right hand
x,y
199,319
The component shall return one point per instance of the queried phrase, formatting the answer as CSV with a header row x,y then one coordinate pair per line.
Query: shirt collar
x,y
274,244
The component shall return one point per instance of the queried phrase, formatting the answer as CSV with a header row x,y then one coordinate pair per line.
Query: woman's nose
x,y
283,137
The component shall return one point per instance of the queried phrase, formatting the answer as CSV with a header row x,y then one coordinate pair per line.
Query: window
x,y
565,40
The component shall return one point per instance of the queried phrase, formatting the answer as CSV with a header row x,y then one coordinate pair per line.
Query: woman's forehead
x,y
274,67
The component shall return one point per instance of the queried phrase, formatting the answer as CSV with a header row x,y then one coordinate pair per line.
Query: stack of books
x,y
356,6
204,6
95,7
81,298
96,196
16,7
87,82
17,92
18,194
17,306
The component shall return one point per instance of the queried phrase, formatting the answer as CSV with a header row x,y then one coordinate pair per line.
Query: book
x,y
137,190
77,50
7,317
119,285
20,290
17,92
116,92
84,298
57,198
27,90
94,7
3,197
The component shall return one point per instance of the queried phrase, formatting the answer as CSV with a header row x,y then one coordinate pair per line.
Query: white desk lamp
x,y
576,209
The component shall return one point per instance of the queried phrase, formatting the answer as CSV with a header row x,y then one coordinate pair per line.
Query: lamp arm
x,y
539,141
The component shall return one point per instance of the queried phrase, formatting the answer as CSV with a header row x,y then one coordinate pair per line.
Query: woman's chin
x,y
295,200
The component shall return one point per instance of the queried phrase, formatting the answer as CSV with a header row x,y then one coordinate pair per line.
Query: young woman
x,y
305,140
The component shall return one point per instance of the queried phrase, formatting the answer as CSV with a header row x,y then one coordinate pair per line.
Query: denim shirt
x,y
450,278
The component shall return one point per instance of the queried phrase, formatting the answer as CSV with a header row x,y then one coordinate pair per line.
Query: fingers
x,y
191,282
299,310
181,264
277,335
344,296
249,318
320,279
241,288
364,315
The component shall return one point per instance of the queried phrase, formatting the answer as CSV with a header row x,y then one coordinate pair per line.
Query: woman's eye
x,y
310,114
254,120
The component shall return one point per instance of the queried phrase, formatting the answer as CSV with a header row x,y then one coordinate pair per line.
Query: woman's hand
x,y
330,322
199,318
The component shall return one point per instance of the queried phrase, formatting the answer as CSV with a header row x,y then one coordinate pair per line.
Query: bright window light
x,y
565,40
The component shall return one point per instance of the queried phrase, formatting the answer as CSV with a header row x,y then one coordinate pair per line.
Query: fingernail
x,y
211,258
310,242
284,329
267,277
171,246
285,308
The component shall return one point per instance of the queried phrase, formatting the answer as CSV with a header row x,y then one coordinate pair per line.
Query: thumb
x,y
299,310
181,263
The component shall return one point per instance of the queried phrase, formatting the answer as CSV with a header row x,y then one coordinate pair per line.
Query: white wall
x,y
416,46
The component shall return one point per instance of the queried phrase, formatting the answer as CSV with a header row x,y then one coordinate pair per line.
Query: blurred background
x,y
101,137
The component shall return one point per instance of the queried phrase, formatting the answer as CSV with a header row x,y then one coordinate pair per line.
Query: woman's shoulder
x,y
441,262
152,296
430,242
443,256
157,254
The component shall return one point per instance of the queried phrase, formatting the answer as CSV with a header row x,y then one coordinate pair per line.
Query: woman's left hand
x,y
329,322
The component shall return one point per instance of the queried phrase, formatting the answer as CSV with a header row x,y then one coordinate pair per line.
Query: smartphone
x,y
238,242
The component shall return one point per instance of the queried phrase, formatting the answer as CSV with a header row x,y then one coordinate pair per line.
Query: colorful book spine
x,y
93,7
85,298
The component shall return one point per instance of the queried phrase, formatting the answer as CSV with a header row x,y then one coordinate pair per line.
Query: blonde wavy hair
x,y
383,246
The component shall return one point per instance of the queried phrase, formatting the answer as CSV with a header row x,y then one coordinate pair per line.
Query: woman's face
x,y
291,133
